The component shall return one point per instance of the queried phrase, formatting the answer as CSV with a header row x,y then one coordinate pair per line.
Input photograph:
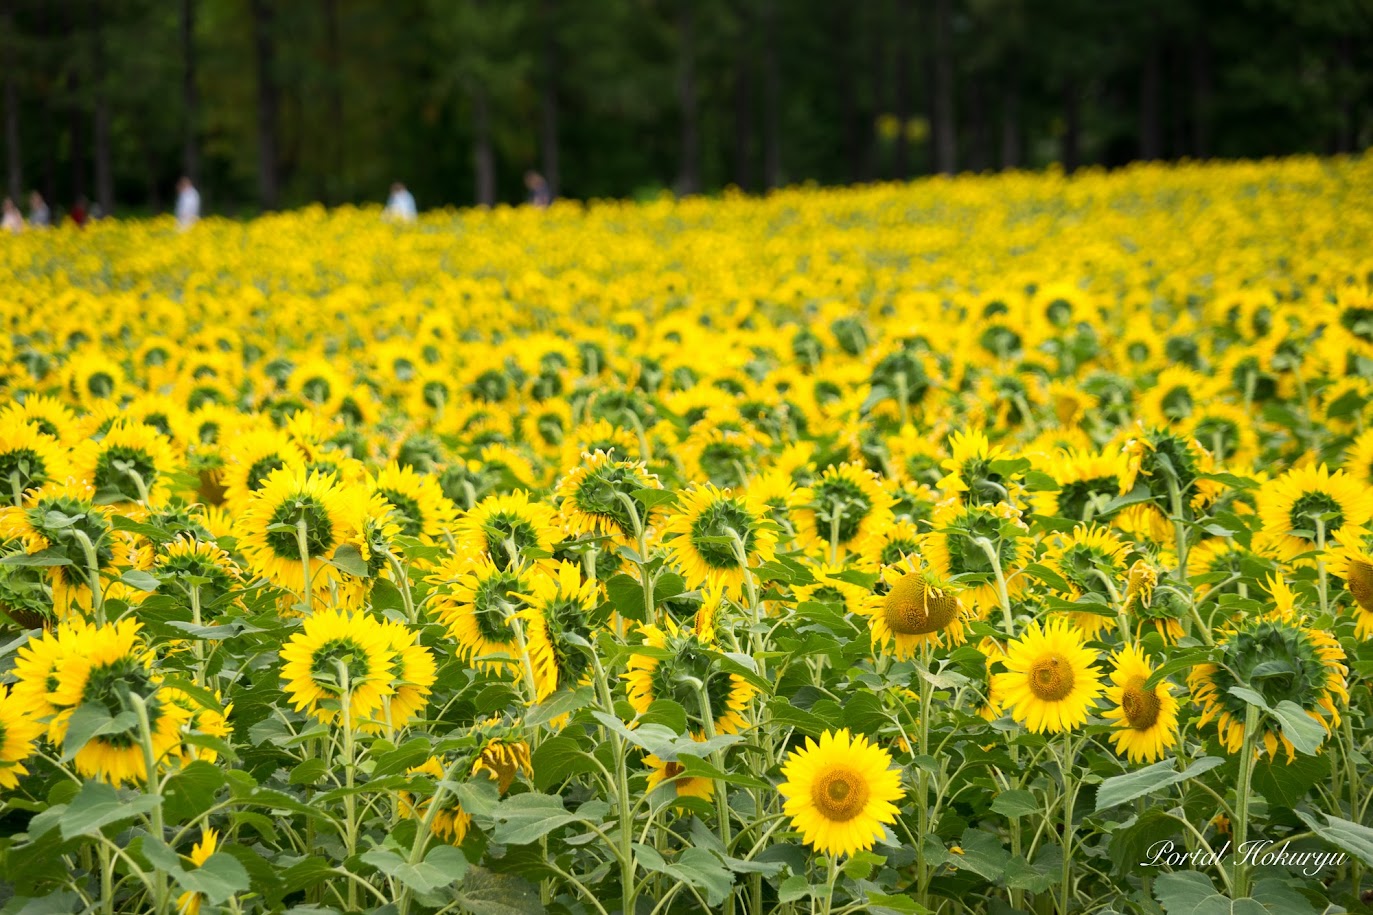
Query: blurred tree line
x,y
270,103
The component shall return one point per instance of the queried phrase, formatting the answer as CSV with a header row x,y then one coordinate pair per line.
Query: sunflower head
x,y
1051,681
1145,719
1282,661
450,821
910,607
507,528
690,676
717,536
339,660
839,792
595,497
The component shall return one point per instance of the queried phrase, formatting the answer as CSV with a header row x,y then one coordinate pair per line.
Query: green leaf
x,y
442,866
486,893
349,558
1192,893
861,865
882,904
1306,733
1345,835
558,759
626,596
141,580
1122,788
220,877
525,818
983,854
1176,664
98,805
1016,803
562,702
655,497
309,772
90,721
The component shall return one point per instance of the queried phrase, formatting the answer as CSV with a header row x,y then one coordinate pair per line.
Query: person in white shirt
x,y
187,203
400,206
13,220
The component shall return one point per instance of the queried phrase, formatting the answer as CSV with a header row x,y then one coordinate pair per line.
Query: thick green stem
x,y
1069,798
303,545
1246,775
145,734
93,575
1002,592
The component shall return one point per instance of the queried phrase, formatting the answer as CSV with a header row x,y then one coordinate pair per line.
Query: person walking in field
x,y
187,204
13,220
540,194
400,206
39,214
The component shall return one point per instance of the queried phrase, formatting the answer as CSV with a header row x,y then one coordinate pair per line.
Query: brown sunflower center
x,y
912,607
1140,705
839,794
1361,583
1051,678
673,769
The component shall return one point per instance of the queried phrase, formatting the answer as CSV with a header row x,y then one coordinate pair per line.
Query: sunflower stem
x,y
16,489
1069,798
641,541
836,516
426,829
145,735
1246,775
625,812
350,834
403,583
1002,593
303,547
830,880
198,646
1322,585
93,571
901,395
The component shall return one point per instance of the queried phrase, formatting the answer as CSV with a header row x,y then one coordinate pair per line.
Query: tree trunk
x,y
901,89
1010,114
483,155
981,159
943,128
14,160
772,99
104,172
1202,90
689,175
845,39
336,132
264,53
743,113
548,103
1150,134
190,95
1072,124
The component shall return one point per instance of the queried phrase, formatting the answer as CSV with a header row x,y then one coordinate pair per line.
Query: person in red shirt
x,y
78,212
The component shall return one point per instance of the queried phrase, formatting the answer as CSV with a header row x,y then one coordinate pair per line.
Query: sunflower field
x,y
991,544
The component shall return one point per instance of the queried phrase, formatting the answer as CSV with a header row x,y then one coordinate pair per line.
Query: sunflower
x,y
558,605
292,501
188,903
63,519
827,587
1089,560
1146,720
416,501
193,565
476,600
616,442
661,772
973,474
592,497
1352,560
503,760
250,458
450,821
955,547
1050,683
28,459
780,498
1314,678
650,677
414,673
914,609
200,721
49,415
717,537
333,653
1087,482
891,544
131,462
106,666
848,504
839,792
506,527
19,728
1292,506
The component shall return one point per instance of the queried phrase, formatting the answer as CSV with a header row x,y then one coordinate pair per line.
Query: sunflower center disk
x,y
1141,706
1051,678
840,794
1361,583
912,607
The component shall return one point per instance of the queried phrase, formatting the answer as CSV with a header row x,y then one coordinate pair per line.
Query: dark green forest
x,y
270,103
